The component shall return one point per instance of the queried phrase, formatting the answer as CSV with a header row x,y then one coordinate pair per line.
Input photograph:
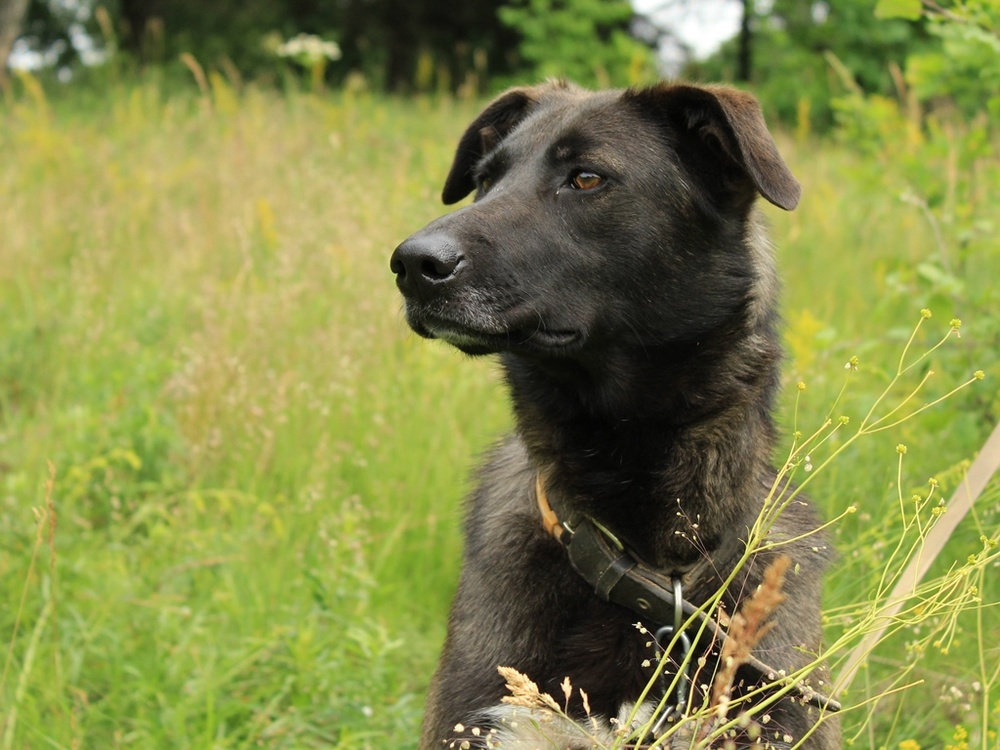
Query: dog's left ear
x,y
490,127
730,124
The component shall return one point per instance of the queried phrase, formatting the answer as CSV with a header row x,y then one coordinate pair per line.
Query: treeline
x,y
798,56
394,45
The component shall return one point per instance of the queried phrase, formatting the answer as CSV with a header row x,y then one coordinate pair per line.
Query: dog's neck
x,y
658,451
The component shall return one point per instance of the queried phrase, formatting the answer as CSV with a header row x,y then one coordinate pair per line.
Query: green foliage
x,y
47,26
794,44
944,168
386,44
424,45
417,46
966,68
908,9
585,41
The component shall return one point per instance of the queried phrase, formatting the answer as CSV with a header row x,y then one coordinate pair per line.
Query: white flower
x,y
309,49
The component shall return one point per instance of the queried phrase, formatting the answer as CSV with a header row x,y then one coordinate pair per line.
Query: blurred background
x,y
231,478
796,54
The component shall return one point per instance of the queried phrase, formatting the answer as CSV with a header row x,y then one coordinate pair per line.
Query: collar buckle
x,y
663,637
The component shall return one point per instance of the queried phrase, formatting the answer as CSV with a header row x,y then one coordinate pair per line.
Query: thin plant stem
x,y
923,408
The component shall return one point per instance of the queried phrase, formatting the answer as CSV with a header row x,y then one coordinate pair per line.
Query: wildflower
x,y
960,737
925,313
852,364
979,374
901,449
909,745
309,49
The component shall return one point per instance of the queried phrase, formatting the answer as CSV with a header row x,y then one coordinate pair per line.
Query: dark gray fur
x,y
636,327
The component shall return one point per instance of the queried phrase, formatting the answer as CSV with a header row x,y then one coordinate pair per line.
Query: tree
x,y
398,45
222,32
393,42
11,15
805,41
964,69
405,45
744,57
586,41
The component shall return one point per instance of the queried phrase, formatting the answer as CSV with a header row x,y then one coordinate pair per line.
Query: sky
x,y
701,25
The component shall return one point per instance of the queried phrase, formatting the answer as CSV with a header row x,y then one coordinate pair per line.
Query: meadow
x,y
230,478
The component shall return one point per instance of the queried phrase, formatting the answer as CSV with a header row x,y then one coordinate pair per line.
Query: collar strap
x,y
617,577
602,560
550,521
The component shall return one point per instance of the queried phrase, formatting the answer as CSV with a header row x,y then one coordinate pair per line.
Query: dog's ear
x,y
492,125
730,124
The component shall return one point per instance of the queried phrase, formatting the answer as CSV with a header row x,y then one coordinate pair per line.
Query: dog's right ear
x,y
728,125
492,126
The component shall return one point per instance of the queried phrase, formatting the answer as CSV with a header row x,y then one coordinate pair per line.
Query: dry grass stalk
x,y
747,628
524,692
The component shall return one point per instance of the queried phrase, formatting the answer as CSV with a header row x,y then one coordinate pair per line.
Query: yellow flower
x,y
909,745
960,736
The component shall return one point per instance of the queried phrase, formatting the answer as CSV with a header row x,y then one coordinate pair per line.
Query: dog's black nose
x,y
422,264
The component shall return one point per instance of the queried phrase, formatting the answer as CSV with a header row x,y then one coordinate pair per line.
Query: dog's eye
x,y
485,183
584,180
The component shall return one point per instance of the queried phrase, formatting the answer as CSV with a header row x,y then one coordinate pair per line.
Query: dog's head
x,y
617,216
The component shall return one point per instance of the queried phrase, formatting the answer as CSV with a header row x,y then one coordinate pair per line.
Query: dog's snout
x,y
423,264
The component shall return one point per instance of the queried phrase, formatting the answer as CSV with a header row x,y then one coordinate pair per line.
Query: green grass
x,y
258,470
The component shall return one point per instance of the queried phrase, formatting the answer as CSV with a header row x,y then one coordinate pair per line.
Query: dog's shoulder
x,y
501,509
507,551
504,481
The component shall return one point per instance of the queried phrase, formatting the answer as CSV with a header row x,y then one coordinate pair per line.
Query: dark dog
x,y
614,260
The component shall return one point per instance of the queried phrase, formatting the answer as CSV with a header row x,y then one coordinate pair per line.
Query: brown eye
x,y
586,181
485,183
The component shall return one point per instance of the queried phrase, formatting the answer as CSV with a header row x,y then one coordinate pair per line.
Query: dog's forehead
x,y
573,121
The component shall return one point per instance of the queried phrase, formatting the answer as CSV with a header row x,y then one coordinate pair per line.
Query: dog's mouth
x,y
477,341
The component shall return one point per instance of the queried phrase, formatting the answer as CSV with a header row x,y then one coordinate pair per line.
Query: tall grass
x,y
253,521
